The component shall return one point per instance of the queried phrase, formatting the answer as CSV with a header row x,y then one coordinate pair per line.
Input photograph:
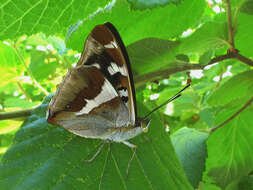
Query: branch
x,y
15,114
161,74
243,59
233,116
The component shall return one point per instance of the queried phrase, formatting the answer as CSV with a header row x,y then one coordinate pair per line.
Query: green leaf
x,y
191,151
145,4
208,186
50,17
239,86
206,57
230,153
18,103
246,183
7,130
49,157
210,36
207,116
247,7
10,64
186,103
215,70
183,57
138,25
39,67
8,56
243,36
151,53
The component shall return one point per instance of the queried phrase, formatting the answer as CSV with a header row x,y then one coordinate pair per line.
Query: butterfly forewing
x,y
105,50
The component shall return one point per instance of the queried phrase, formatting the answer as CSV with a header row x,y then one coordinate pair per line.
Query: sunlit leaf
x,y
143,24
50,17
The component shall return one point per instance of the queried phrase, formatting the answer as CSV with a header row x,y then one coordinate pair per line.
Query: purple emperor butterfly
x,y
96,99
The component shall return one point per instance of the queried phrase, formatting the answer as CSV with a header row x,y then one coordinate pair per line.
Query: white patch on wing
x,y
114,68
111,45
107,93
123,93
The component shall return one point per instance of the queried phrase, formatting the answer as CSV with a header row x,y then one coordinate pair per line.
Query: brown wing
x,y
105,50
86,99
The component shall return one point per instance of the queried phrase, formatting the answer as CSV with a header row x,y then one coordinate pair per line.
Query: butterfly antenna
x,y
168,101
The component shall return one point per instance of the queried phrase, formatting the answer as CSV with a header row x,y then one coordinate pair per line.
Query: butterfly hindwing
x,y
86,102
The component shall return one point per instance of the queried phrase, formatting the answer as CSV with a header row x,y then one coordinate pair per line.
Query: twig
x,y
161,74
243,59
230,27
233,116
15,114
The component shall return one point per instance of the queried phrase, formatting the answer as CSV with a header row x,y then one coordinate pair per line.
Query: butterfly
x,y
96,99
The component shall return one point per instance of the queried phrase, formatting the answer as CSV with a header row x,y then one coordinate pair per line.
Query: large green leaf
x,y
210,36
191,149
247,7
167,22
48,157
152,53
230,153
51,17
243,35
239,86
144,4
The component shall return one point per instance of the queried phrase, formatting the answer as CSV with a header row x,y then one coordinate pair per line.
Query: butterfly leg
x,y
98,151
134,147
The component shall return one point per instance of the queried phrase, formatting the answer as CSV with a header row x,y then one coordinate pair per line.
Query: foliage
x,y
40,40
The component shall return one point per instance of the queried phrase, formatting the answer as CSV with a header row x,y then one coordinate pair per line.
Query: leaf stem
x,y
233,116
230,27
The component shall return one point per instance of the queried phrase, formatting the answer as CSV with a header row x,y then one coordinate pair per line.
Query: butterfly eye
x,y
67,106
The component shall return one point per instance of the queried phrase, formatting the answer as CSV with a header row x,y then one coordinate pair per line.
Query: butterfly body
x,y
96,99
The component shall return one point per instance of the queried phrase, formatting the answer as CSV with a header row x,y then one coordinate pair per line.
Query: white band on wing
x,y
111,45
107,93
114,68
